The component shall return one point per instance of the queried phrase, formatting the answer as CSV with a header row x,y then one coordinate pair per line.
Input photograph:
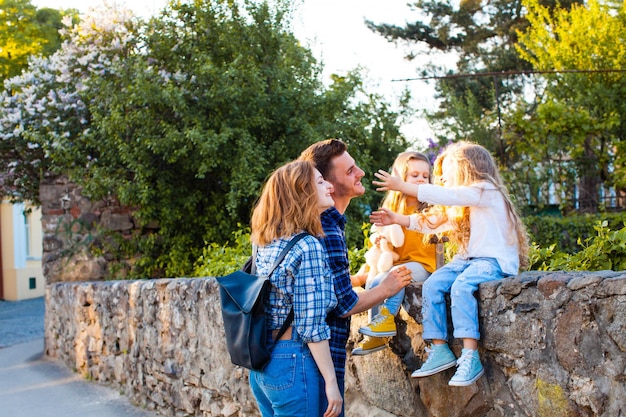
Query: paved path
x,y
32,385
21,321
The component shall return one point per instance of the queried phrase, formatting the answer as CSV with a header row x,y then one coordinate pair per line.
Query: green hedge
x,y
606,250
573,243
565,232
217,260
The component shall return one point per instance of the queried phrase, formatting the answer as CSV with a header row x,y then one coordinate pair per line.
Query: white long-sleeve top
x,y
492,234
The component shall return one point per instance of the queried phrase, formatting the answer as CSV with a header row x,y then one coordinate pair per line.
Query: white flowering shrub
x,y
44,115
182,118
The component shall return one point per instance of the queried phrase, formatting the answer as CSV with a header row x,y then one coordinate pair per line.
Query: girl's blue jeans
x,y
289,386
393,303
460,278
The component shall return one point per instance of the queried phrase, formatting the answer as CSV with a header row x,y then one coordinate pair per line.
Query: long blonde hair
x,y
475,164
288,204
395,200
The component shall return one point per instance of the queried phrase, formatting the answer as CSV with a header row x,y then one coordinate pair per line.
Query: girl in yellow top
x,y
416,254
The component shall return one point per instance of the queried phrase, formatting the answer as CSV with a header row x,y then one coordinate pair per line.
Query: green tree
x,y
26,31
549,143
583,106
481,35
183,117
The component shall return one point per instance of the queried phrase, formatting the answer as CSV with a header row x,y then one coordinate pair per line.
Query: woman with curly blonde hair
x,y
471,202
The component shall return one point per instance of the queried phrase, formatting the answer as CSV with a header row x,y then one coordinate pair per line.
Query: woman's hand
x,y
334,400
321,355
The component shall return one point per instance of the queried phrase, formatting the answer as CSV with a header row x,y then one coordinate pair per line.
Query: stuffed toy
x,y
381,255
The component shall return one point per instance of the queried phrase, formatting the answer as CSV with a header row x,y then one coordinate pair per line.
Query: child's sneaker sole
x,y
467,382
368,332
358,351
419,373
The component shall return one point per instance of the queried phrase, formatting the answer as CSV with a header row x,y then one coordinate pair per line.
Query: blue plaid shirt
x,y
336,247
302,280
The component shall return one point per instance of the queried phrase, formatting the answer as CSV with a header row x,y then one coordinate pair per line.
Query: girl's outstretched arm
x,y
389,182
384,217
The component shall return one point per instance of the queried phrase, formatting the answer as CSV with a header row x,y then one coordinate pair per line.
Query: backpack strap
x,y
282,255
285,325
253,265
285,251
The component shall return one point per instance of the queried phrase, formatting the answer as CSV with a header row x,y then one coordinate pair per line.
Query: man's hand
x,y
395,280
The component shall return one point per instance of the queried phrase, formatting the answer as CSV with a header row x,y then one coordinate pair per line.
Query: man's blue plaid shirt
x,y
336,247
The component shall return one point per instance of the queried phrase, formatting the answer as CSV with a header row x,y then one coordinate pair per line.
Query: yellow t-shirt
x,y
415,249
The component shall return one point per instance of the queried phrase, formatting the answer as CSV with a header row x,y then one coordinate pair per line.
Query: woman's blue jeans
x,y
460,278
393,303
289,386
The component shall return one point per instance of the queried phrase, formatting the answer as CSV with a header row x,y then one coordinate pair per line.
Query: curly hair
x,y
475,164
288,204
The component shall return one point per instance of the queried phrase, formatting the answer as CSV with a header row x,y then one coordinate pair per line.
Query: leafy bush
x,y
164,119
605,251
218,260
564,233
356,254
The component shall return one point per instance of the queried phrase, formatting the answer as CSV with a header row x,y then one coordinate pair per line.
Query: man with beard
x,y
332,159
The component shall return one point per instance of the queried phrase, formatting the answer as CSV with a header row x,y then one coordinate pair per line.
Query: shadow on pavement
x,y
33,385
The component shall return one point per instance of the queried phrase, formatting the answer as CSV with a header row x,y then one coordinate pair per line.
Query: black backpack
x,y
243,295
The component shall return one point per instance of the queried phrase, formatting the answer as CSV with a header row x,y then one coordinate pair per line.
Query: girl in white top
x,y
472,204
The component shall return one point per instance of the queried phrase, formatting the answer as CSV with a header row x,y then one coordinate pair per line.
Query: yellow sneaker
x,y
370,345
383,324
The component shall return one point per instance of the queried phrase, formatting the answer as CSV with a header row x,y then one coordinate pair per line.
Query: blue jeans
x,y
289,386
393,303
460,278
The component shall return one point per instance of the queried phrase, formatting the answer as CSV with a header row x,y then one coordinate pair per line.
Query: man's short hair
x,y
322,154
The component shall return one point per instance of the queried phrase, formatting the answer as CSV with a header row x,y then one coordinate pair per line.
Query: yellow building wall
x,y
17,282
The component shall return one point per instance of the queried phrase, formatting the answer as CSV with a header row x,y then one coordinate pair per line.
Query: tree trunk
x,y
589,184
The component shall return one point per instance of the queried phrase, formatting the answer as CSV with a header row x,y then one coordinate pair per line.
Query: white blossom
x,y
48,98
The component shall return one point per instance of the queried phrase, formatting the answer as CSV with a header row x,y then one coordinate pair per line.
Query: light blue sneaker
x,y
440,358
470,369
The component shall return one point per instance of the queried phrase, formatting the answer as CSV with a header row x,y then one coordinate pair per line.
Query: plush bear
x,y
381,255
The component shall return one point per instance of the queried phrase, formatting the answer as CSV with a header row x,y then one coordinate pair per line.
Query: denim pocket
x,y
280,372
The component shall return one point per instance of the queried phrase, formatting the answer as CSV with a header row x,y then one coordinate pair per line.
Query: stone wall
x,y
75,231
553,344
